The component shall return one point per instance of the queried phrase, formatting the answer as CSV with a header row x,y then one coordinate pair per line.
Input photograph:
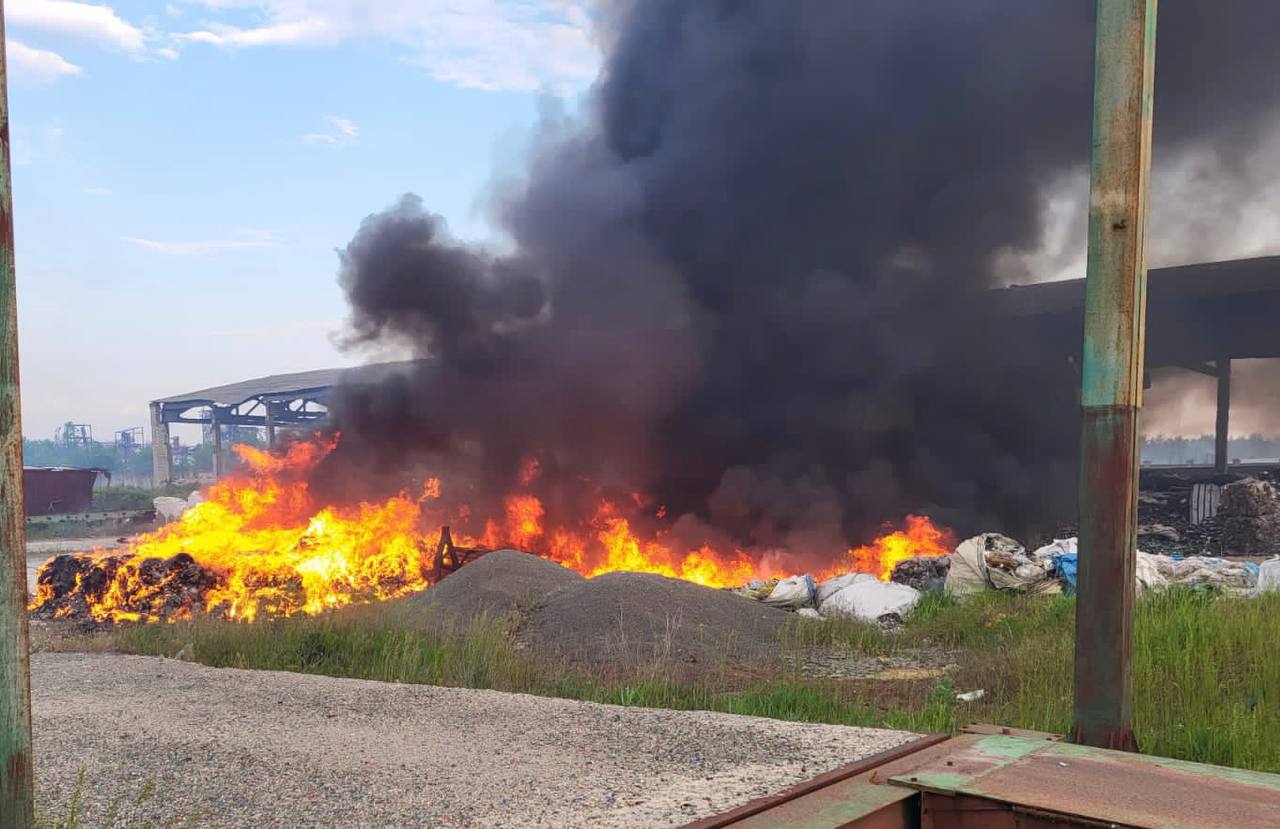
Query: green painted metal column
x,y
16,810
1111,394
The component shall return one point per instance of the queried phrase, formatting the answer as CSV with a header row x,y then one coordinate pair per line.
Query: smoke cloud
x,y
731,284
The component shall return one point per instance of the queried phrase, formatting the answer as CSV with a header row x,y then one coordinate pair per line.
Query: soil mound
x,y
640,617
501,584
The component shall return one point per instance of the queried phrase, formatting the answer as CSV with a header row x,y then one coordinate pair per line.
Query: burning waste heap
x,y
260,546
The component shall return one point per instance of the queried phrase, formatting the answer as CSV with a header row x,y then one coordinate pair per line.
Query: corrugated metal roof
x,y
233,394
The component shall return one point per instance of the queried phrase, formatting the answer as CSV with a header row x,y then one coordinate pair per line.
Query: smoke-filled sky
x,y
702,295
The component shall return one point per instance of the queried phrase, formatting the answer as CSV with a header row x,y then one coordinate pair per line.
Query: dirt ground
x,y
261,749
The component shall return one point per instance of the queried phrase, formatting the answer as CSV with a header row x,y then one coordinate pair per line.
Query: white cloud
x,y
254,240
482,44
341,132
84,20
97,191
167,52
37,65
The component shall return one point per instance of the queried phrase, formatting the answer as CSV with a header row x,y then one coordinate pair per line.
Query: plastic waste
x,y
793,593
871,600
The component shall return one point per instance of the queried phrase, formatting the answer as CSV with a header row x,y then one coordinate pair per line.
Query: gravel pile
x,y
617,617
259,749
499,583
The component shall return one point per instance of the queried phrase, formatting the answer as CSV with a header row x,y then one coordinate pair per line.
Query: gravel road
x,y
263,749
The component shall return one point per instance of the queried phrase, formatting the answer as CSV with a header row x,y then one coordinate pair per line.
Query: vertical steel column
x,y
1111,395
16,809
1223,427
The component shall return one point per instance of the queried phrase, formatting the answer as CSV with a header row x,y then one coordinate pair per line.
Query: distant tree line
x,y
137,461
1170,449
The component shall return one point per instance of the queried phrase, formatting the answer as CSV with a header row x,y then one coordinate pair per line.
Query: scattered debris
x,y
996,562
1250,517
926,574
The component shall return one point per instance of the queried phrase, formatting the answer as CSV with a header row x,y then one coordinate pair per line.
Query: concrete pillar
x,y
271,424
161,448
215,429
1220,447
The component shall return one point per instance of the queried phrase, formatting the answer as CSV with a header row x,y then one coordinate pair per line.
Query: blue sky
x,y
183,172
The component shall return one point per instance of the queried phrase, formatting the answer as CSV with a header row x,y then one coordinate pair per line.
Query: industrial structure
x,y
1199,318
279,401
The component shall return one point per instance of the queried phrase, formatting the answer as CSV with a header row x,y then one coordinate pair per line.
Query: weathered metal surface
x,y
946,812
1090,786
841,795
48,490
16,809
986,728
1112,362
1222,427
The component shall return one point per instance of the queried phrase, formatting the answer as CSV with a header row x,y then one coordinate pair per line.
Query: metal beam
x,y
1111,396
16,790
1207,369
1223,425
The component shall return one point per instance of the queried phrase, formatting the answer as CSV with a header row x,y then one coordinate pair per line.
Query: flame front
x,y
268,549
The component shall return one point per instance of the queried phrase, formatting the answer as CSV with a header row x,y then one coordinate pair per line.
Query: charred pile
x,y
85,587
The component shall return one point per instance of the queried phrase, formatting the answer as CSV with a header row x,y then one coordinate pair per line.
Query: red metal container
x,y
51,490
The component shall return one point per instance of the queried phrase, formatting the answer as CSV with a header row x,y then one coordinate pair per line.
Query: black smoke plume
x,y
734,282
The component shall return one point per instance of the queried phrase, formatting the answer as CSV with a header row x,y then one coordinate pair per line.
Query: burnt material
x,y
72,586
924,574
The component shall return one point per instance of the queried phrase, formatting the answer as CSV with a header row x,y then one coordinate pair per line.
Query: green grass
x,y
1206,668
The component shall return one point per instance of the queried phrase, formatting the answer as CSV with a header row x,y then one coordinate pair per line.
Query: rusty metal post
x,y
16,790
1221,433
1111,395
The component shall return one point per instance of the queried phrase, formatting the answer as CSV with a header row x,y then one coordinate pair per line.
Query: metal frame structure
x,y
284,400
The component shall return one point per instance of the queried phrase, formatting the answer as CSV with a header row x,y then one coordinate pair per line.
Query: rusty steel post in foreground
x,y
16,809
1111,392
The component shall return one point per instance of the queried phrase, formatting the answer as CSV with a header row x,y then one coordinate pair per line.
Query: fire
x,y
921,539
260,546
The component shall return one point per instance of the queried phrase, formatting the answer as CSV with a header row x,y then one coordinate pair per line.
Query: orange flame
x,y
274,552
921,539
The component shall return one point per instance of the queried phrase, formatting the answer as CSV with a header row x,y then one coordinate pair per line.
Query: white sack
x,y
871,600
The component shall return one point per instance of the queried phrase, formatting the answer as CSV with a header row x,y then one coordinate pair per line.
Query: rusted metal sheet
x,y
1112,363
16,790
1086,786
52,490
841,797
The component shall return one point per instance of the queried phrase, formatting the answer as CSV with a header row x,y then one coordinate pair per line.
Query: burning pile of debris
x,y
259,546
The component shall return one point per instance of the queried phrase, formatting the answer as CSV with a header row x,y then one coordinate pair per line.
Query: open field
x,y
1207,672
